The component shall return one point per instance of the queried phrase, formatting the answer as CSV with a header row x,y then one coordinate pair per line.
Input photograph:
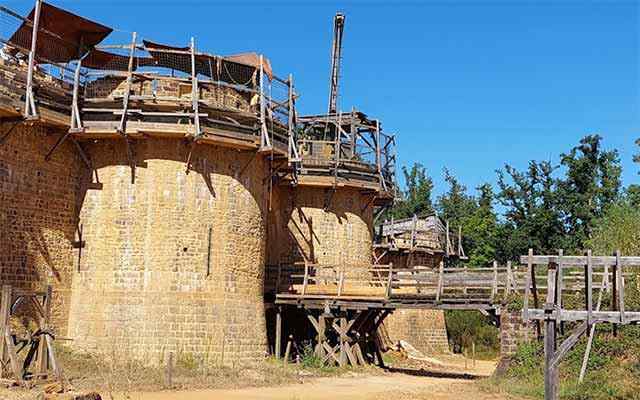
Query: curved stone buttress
x,y
145,287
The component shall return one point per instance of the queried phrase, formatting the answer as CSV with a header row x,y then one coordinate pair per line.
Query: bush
x,y
467,327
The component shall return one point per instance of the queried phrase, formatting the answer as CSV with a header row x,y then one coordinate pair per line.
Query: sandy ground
x,y
452,382
394,386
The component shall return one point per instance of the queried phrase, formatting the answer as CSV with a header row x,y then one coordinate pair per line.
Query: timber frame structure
x,y
415,236
56,70
39,343
565,274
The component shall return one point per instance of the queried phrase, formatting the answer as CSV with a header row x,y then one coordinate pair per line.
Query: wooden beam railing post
x,y
620,284
278,343
43,356
604,287
127,92
76,122
389,282
527,286
264,134
305,280
494,286
589,289
508,280
30,111
5,311
195,91
550,309
440,288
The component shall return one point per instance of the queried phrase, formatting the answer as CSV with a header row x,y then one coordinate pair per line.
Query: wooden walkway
x,y
346,306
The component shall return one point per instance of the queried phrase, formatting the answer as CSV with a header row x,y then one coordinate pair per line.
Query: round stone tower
x,y
172,262
322,226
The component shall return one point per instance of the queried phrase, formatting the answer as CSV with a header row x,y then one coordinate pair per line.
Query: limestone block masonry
x,y
150,281
303,227
423,329
513,332
38,211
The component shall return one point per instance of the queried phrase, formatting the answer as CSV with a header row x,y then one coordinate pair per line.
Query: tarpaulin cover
x,y
70,31
237,69
99,59
252,59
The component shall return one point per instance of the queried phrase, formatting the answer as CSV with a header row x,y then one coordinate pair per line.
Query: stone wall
x,y
38,213
301,229
423,329
144,288
514,331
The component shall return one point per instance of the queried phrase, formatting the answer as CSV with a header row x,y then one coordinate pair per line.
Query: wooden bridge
x,y
346,306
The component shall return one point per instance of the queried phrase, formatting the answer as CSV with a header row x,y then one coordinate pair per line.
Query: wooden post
x,y
125,99
447,240
494,287
264,136
620,284
589,289
527,286
343,361
508,280
278,331
76,122
195,92
550,372
389,281
560,277
287,352
322,327
44,323
614,294
604,287
536,302
29,105
305,280
5,311
440,281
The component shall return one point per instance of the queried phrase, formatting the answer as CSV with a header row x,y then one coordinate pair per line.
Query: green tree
x,y
474,215
416,199
636,158
617,229
592,183
531,216
480,228
455,205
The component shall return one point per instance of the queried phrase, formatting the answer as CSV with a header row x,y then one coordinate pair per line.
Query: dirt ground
x,y
398,385
455,380
449,377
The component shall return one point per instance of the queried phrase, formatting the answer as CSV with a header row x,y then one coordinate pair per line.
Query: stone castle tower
x,y
152,185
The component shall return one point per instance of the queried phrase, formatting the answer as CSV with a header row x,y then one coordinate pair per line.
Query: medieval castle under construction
x,y
158,188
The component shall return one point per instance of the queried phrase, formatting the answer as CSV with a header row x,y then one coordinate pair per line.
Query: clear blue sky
x,y
469,85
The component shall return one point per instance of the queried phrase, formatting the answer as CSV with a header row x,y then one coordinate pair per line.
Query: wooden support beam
x,y
527,286
278,343
551,375
45,320
620,284
5,312
603,287
440,288
568,344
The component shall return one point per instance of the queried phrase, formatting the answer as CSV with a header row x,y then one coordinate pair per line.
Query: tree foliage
x,y
592,183
532,218
617,229
416,199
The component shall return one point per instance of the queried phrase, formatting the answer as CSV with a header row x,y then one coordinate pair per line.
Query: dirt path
x,y
400,385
